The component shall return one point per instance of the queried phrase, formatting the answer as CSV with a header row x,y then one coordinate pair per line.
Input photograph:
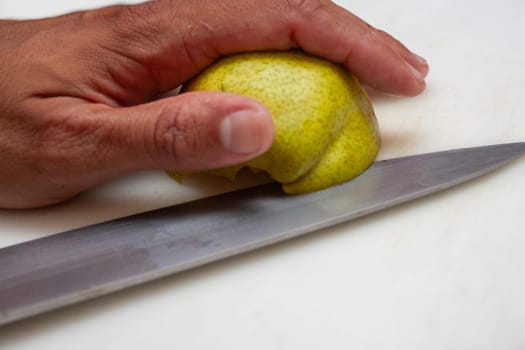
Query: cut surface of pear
x,y
326,131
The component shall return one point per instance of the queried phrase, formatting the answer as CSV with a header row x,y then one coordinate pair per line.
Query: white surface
x,y
445,272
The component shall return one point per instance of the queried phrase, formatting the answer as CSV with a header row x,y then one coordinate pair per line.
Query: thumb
x,y
193,131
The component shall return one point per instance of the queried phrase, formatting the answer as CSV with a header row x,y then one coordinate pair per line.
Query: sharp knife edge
x,y
69,267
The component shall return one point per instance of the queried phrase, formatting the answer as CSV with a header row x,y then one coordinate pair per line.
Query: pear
x,y
326,131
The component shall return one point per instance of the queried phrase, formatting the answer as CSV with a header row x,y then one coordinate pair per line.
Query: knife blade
x,y
69,267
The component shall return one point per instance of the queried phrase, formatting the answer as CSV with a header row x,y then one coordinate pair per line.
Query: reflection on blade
x,y
62,269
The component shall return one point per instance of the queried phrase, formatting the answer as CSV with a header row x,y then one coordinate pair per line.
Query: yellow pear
x,y
325,128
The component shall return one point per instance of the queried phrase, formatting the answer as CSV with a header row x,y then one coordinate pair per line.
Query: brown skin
x,y
77,94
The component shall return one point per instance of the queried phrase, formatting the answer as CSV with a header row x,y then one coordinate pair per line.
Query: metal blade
x,y
66,268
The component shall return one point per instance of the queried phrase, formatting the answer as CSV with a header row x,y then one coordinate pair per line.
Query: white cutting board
x,y
445,272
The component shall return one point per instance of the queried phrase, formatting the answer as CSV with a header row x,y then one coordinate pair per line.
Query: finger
x,y
190,132
410,57
373,56
175,40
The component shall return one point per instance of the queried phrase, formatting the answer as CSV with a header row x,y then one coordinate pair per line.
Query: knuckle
x,y
134,28
120,14
298,12
176,135
197,43
139,12
374,37
382,34
131,15
374,34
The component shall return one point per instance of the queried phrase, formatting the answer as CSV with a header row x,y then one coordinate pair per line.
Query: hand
x,y
78,92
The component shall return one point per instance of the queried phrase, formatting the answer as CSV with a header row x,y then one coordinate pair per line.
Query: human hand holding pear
x,y
325,128
80,106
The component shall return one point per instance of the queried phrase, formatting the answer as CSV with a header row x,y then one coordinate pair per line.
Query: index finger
x,y
177,39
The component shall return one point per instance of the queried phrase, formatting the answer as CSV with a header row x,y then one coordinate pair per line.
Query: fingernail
x,y
420,59
241,132
416,73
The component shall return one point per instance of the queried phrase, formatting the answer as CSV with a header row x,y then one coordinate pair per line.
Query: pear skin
x,y
354,149
325,128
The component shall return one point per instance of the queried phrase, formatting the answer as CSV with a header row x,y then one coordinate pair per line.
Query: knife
x,y
69,267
